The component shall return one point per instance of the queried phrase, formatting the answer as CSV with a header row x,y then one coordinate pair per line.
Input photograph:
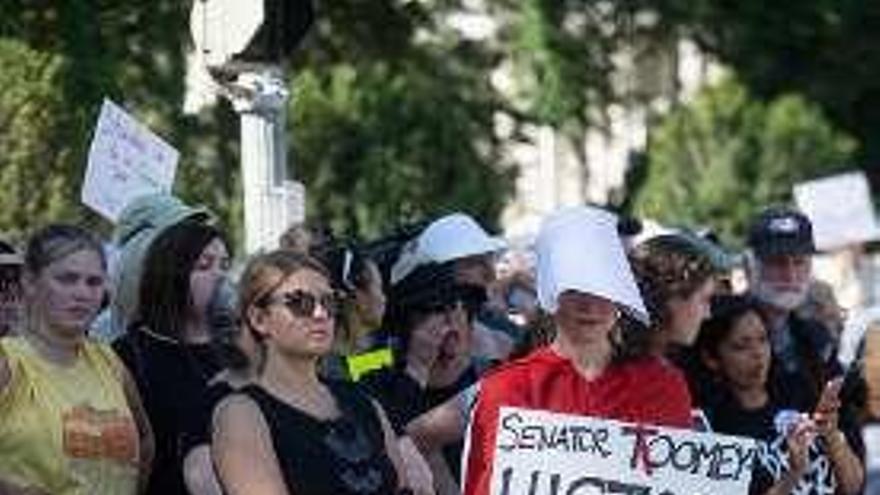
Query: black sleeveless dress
x,y
342,456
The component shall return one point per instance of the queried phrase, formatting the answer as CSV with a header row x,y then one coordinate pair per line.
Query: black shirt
x,y
403,399
728,417
803,348
341,456
197,428
436,396
171,379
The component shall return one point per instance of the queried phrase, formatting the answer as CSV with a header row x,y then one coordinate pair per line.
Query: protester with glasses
x,y
291,431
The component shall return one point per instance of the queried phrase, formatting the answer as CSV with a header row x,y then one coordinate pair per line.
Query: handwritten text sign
x,y
126,160
543,453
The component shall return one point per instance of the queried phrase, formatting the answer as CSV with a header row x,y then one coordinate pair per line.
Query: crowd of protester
x,y
337,366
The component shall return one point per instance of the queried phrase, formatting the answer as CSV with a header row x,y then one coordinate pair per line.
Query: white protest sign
x,y
126,160
544,453
840,209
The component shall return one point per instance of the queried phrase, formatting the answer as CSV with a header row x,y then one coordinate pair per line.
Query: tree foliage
x,y
132,53
393,110
392,115
826,50
718,160
30,132
572,59
389,125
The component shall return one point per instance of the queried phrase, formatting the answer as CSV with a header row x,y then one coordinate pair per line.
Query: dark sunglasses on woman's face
x,y
303,303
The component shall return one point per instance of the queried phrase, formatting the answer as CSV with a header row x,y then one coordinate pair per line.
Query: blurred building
x,y
556,172
650,77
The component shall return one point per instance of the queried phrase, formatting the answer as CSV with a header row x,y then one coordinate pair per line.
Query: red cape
x,y
648,391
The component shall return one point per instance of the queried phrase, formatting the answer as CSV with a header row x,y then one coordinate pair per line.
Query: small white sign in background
x,y
840,209
126,160
544,453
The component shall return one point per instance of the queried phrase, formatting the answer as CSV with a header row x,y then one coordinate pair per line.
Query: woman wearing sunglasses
x,y
290,431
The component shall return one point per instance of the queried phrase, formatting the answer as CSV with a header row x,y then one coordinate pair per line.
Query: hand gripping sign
x,y
544,453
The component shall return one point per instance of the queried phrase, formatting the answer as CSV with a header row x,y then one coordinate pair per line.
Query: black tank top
x,y
342,456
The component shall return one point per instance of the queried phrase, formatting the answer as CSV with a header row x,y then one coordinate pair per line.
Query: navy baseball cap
x,y
781,230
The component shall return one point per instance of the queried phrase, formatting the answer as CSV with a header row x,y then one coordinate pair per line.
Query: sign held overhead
x,y
126,160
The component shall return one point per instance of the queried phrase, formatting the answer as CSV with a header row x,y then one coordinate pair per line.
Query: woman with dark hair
x,y
429,316
585,282
291,431
167,348
801,451
72,419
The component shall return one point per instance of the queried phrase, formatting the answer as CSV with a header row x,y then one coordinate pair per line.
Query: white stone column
x,y
271,201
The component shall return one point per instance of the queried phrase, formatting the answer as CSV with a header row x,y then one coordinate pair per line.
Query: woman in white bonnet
x,y
585,282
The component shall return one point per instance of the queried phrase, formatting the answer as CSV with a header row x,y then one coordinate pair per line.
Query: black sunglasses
x,y
303,304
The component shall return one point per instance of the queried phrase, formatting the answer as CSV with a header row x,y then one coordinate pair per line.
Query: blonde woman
x,y
290,431
72,418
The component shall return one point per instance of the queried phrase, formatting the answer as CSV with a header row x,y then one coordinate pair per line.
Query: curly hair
x,y
666,267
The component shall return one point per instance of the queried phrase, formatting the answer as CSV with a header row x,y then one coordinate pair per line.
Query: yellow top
x,y
67,429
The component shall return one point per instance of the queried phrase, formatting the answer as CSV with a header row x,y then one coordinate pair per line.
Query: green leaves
x,y
392,118
392,114
718,160
34,172
826,50
377,147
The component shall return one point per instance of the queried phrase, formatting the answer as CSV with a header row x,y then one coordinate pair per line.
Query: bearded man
x,y
781,249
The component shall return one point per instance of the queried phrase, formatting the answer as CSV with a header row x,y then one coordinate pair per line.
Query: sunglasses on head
x,y
303,303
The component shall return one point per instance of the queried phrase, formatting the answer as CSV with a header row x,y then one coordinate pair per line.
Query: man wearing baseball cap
x,y
781,244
